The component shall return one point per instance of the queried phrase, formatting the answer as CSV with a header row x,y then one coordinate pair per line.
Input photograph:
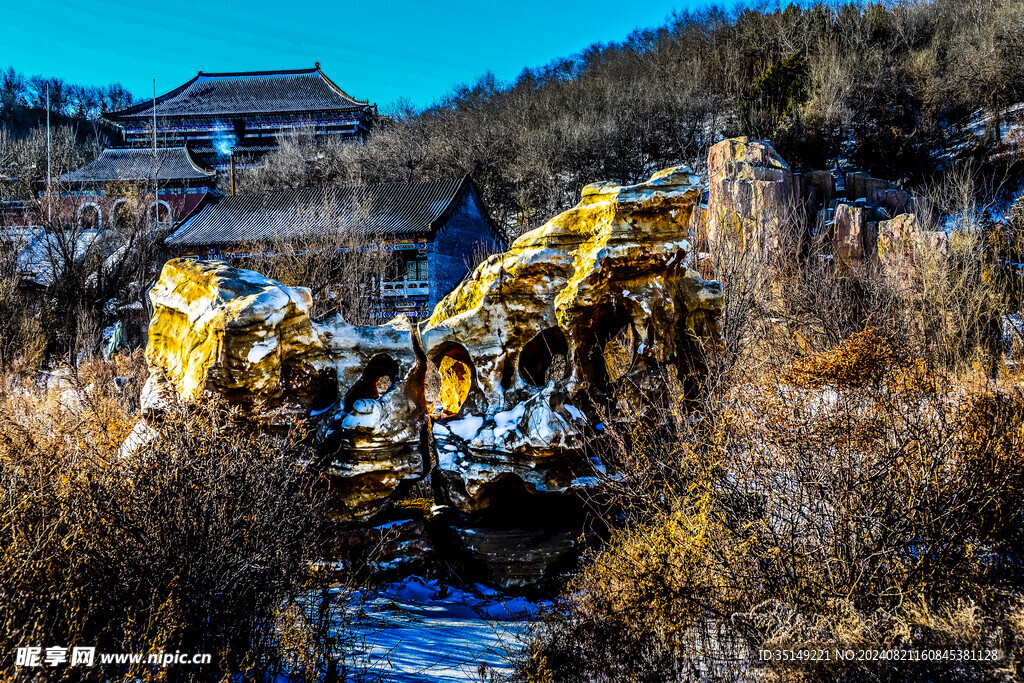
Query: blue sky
x,y
376,49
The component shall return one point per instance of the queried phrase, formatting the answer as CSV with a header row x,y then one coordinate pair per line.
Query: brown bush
x,y
791,518
201,541
865,357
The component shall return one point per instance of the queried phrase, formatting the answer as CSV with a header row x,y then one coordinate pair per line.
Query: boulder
x,y
862,186
751,194
232,333
495,398
902,239
855,235
896,240
596,300
821,188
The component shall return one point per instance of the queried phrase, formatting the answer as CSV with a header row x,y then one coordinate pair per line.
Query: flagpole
x,y
49,202
156,180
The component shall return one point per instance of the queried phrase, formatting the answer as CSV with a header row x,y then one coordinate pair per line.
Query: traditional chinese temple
x,y
243,114
431,229
95,192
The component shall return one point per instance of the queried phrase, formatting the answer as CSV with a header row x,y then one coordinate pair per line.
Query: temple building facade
x,y
242,115
93,195
430,232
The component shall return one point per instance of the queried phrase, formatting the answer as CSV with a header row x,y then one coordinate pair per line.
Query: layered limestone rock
x,y
754,199
497,397
597,299
232,333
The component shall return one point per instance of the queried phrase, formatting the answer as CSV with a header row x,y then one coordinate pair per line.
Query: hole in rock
x,y
448,381
611,349
379,376
320,387
545,358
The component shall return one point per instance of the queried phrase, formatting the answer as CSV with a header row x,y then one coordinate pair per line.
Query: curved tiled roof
x,y
247,92
386,209
173,163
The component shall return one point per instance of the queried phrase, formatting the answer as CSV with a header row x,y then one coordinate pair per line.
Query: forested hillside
x,y
75,116
900,90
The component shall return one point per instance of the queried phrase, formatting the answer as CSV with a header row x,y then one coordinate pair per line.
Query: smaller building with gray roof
x,y
431,230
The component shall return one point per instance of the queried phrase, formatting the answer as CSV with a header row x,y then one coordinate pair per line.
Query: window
x,y
413,268
416,269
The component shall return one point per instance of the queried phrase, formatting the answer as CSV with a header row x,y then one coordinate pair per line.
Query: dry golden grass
x,y
200,541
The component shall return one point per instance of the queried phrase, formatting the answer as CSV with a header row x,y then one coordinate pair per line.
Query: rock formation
x,y
896,243
751,195
754,199
901,241
855,236
527,357
597,298
250,340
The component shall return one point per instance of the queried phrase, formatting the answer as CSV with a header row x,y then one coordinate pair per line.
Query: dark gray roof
x,y
388,209
173,163
247,92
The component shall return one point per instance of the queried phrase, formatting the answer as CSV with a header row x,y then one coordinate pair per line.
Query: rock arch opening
x,y
619,353
89,217
545,358
612,348
379,376
449,380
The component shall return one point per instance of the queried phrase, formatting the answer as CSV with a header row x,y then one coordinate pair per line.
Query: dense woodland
x,y
887,88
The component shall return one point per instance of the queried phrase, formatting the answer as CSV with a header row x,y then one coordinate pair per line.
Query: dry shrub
x,y
865,357
869,516
199,542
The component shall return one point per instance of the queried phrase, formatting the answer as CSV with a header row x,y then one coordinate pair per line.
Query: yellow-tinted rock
x,y
896,238
218,330
235,333
595,307
597,300
751,194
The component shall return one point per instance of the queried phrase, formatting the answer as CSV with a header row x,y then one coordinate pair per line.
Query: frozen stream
x,y
415,632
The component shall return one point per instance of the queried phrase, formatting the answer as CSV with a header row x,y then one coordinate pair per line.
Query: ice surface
x,y
416,632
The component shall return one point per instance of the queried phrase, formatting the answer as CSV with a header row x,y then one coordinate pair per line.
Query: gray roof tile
x,y
250,92
173,163
386,209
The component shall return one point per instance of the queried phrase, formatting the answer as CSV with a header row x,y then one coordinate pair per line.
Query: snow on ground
x,y
416,632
